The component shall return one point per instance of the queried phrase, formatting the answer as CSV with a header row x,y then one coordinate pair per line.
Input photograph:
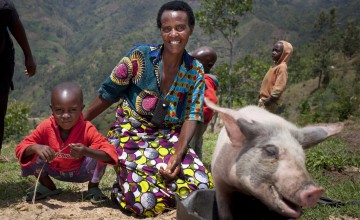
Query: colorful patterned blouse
x,y
137,79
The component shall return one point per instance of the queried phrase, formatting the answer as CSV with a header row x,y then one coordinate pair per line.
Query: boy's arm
x,y
43,151
280,82
27,156
98,146
78,150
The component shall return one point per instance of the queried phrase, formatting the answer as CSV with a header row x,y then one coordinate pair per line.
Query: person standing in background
x,y
275,79
10,23
207,57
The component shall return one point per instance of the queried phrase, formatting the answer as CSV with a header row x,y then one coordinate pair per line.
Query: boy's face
x,y
66,108
207,62
277,51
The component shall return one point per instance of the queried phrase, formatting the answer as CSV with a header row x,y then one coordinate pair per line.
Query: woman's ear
x,y
191,30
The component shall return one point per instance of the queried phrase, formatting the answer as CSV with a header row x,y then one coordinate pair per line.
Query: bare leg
x,y
47,182
93,185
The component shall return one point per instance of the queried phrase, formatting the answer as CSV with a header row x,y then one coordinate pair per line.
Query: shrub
x,y
331,154
16,121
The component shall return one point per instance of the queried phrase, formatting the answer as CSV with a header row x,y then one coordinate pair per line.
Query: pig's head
x,y
267,158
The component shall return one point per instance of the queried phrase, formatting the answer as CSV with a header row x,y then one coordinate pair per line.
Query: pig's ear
x,y
219,109
315,134
232,129
250,129
231,126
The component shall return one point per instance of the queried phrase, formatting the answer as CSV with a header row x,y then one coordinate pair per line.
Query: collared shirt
x,y
137,79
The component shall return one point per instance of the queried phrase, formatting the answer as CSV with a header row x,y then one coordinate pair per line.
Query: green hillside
x,y
83,40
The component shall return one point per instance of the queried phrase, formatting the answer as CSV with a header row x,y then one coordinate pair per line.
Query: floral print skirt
x,y
142,150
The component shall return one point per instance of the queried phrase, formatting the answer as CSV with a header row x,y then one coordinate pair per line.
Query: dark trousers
x,y
6,73
4,97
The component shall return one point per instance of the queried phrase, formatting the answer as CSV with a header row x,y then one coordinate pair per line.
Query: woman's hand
x,y
172,169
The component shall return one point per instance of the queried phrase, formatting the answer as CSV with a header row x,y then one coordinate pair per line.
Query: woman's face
x,y
175,31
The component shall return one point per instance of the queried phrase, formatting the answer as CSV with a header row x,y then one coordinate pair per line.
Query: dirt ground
x,y
70,205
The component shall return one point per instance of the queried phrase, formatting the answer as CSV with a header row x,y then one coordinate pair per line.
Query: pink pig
x,y
261,154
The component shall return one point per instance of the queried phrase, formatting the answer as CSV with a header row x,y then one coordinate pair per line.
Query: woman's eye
x,y
181,28
166,29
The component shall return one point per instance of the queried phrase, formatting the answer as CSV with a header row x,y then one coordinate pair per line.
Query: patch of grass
x,y
332,154
326,164
208,147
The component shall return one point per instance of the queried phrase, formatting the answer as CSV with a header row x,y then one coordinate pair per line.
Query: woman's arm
x,y
96,108
173,166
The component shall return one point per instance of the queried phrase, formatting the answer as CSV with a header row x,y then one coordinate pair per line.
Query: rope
x,y
330,202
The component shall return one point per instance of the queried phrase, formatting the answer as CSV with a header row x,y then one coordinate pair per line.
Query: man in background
x,y
10,23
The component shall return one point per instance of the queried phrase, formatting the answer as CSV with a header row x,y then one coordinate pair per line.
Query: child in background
x,y
66,147
207,57
274,82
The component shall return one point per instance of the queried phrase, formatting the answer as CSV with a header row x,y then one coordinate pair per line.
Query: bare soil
x,y
70,205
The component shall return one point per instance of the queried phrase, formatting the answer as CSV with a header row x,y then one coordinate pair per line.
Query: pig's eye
x,y
271,151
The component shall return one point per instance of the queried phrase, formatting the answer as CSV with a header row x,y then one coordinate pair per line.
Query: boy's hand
x,y
45,152
77,150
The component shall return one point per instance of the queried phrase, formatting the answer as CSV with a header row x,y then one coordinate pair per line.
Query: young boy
x,y
274,81
71,148
207,57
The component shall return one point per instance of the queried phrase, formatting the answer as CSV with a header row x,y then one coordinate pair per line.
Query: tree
x,y
250,71
351,39
223,16
327,40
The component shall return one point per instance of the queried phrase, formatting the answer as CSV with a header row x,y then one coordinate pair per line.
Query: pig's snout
x,y
310,196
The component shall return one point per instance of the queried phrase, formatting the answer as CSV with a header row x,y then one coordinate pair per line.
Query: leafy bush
x,y
16,121
331,155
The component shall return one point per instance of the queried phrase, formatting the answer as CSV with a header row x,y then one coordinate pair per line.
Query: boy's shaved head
x,y
206,56
66,90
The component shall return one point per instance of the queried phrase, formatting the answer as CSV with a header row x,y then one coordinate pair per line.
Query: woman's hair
x,y
176,6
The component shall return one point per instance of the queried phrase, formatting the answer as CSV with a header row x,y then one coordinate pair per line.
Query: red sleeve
x,y
98,142
210,93
36,137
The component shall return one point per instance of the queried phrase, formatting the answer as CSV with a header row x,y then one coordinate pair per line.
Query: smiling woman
x,y
161,88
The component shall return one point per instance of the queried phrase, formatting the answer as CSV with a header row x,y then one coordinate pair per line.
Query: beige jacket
x,y
274,81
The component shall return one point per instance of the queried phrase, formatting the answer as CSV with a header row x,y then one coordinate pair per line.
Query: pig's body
x,y
261,154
